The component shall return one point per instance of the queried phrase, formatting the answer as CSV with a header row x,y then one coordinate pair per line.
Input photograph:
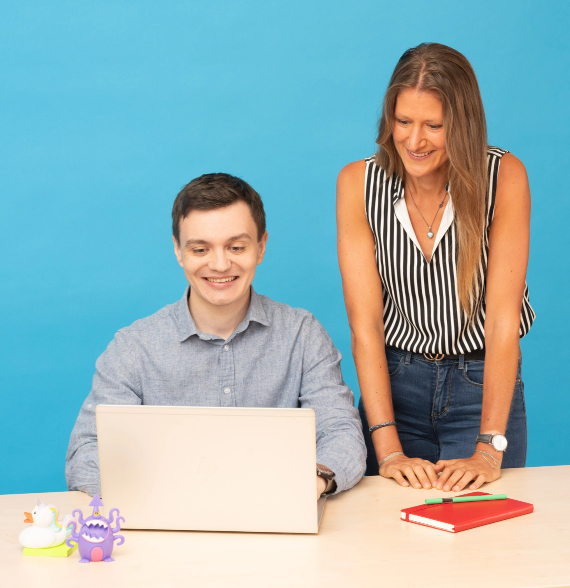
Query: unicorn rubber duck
x,y
46,530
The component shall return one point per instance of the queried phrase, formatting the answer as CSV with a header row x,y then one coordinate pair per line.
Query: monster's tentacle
x,y
72,539
117,520
122,539
73,528
80,518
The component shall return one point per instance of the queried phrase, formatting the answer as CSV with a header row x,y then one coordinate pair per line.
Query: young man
x,y
224,345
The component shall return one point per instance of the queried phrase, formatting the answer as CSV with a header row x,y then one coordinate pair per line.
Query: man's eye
x,y
403,122
198,251
237,249
435,127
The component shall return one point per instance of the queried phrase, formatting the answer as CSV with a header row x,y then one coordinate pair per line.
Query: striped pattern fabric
x,y
422,313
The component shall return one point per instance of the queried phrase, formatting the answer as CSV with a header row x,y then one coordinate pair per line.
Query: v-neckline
x,y
402,214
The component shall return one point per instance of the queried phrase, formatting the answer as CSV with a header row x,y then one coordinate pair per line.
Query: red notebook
x,y
459,516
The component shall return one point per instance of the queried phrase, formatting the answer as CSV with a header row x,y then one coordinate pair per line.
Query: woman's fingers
x,y
422,476
443,477
431,473
467,477
453,479
444,463
454,474
418,472
479,481
408,471
400,479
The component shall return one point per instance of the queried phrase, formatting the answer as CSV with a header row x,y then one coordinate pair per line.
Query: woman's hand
x,y
457,473
419,472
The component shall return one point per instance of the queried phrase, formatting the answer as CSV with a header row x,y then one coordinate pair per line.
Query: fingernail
x,y
456,488
446,488
417,485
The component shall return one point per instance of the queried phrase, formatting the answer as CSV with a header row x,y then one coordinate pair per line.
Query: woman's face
x,y
418,132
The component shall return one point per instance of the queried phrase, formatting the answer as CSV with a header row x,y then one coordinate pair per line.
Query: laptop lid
x,y
210,469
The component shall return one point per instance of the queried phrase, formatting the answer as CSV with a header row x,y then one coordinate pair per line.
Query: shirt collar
x,y
187,327
398,189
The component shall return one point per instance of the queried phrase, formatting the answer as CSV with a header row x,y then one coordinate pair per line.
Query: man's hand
x,y
321,485
419,472
457,473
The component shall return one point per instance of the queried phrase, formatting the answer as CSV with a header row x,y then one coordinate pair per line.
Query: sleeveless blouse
x,y
422,312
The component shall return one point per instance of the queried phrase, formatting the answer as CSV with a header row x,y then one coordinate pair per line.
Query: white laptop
x,y
210,469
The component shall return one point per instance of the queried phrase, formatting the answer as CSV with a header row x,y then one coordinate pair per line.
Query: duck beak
x,y
29,517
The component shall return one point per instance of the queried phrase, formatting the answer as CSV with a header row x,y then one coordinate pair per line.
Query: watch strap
x,y
331,485
325,473
485,438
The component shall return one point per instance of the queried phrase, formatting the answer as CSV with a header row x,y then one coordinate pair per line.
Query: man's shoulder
x,y
291,320
278,312
163,323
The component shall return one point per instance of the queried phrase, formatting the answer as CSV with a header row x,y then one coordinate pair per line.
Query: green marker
x,y
466,498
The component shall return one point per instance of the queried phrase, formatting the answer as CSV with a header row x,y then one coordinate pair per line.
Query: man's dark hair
x,y
212,191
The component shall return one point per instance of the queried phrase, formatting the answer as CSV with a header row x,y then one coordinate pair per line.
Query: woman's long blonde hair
x,y
447,73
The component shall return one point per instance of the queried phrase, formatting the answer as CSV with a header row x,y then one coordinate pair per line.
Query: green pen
x,y
466,498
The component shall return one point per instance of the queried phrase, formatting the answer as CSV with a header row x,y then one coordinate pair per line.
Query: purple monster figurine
x,y
96,536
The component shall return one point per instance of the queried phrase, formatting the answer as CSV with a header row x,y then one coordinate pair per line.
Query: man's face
x,y
219,252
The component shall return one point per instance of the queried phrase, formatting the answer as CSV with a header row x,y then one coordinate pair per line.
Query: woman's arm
x,y
363,298
508,258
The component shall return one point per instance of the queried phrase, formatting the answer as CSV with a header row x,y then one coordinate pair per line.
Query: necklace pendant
x,y
430,234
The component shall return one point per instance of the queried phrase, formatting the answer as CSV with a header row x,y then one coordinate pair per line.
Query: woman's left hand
x,y
457,473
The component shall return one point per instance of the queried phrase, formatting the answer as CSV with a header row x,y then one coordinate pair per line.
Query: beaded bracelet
x,y
387,424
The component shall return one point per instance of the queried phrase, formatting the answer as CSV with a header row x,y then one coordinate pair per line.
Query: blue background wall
x,y
108,108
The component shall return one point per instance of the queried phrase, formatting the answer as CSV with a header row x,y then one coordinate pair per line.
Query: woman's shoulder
x,y
509,162
511,169
351,176
353,169
512,183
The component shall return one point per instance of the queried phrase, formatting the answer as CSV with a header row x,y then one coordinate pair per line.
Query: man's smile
x,y
221,280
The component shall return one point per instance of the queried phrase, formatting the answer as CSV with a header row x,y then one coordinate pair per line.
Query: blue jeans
x,y
437,406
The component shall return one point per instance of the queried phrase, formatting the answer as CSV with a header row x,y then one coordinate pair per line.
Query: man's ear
x,y
262,247
177,251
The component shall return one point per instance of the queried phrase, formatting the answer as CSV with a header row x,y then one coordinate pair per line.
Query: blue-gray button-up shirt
x,y
277,357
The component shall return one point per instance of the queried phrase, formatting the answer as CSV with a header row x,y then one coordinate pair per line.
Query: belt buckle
x,y
434,356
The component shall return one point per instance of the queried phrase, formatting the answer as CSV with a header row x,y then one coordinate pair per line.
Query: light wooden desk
x,y
362,542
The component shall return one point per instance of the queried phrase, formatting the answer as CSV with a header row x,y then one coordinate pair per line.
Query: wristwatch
x,y
328,475
499,442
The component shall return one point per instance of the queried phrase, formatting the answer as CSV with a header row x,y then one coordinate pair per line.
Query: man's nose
x,y
220,262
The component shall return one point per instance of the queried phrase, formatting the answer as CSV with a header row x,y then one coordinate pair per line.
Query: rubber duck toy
x,y
46,530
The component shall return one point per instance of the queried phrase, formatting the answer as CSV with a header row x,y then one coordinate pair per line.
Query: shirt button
x,y
226,347
227,390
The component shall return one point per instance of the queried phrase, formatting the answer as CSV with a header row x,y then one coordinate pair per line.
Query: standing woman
x,y
433,241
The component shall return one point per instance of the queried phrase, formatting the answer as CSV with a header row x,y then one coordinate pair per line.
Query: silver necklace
x,y
429,233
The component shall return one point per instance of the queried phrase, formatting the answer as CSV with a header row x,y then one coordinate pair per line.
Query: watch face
x,y
499,442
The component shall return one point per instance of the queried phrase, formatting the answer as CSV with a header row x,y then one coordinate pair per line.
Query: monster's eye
x,y
96,514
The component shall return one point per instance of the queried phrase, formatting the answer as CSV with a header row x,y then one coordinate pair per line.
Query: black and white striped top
x,y
421,305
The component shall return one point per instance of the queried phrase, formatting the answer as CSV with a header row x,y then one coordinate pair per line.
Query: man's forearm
x,y
82,469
